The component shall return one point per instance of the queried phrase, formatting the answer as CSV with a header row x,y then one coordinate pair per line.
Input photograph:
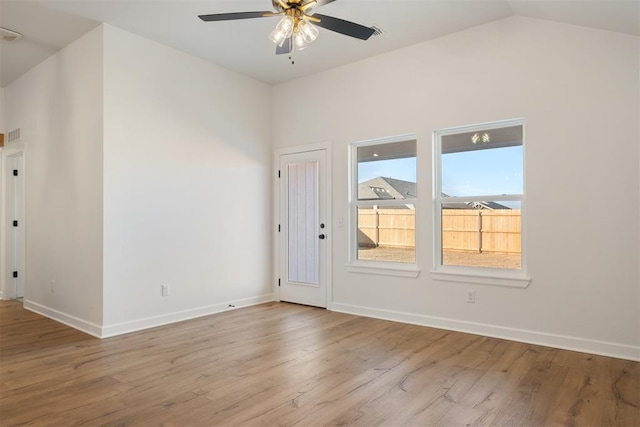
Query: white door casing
x,y
14,226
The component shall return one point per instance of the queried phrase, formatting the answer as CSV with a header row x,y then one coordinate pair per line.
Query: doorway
x,y
304,238
14,227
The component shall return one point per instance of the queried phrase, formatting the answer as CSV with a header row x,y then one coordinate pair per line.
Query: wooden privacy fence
x,y
387,227
482,230
474,230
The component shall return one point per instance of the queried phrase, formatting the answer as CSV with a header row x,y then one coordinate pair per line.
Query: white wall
x,y
577,88
2,227
58,106
2,109
187,191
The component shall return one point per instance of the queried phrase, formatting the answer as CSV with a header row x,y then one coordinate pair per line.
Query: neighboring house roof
x,y
386,188
381,188
473,205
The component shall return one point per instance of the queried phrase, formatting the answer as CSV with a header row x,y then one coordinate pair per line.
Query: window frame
x,y
469,274
387,268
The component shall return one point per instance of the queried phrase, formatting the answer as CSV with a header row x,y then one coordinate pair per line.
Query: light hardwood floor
x,y
284,364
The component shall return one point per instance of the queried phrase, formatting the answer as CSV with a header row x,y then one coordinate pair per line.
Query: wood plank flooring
x,y
284,364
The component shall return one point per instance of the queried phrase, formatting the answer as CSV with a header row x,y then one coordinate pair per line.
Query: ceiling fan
x,y
297,28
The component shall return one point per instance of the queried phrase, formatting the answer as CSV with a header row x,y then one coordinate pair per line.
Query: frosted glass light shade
x,y
299,42
283,30
309,31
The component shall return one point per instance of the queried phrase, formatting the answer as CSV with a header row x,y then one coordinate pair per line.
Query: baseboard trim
x,y
179,316
64,318
620,351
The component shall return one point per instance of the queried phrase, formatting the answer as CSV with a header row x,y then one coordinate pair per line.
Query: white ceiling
x,y
243,46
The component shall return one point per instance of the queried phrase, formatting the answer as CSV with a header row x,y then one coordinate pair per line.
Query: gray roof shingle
x,y
382,188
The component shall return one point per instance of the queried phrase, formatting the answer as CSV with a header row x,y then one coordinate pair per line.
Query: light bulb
x,y
309,32
286,25
298,41
283,30
277,37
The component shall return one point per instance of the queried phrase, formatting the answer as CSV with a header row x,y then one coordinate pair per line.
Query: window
x,y
479,199
383,202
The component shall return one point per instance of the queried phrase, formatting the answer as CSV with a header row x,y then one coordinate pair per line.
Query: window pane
x,y
387,171
482,235
487,162
387,234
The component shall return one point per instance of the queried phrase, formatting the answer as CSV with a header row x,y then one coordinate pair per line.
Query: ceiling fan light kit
x,y
297,29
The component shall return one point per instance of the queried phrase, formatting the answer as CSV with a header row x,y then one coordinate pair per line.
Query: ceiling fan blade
x,y
285,48
344,27
235,15
312,4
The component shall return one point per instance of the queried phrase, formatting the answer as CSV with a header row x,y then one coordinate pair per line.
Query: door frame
x,y
326,146
6,157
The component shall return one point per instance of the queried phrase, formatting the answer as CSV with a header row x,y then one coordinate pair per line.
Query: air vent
x,y
8,35
14,135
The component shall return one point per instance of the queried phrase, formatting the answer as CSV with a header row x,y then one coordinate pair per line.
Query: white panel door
x,y
303,228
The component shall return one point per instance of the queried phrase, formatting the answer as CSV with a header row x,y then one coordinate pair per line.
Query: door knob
x,y
321,237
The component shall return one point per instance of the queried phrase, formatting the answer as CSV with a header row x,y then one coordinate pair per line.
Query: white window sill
x,y
384,269
508,278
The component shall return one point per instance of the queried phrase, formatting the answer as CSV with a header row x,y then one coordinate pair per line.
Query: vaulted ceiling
x,y
244,46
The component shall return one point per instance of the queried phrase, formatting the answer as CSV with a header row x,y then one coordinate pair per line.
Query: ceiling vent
x,y
14,135
8,35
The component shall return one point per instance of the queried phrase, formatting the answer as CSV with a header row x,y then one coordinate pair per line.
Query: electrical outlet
x,y
165,290
53,284
471,297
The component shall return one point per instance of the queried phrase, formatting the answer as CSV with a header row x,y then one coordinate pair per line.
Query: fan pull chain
x,y
292,50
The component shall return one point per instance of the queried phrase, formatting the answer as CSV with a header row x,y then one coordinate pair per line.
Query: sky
x,y
470,173
404,169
